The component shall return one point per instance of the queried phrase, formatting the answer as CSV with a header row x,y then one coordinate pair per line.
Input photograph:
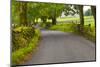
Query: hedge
x,y
22,49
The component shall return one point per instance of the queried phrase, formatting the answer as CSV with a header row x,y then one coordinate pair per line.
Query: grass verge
x,y
63,27
89,32
20,55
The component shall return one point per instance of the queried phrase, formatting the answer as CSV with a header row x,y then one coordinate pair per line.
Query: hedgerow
x,y
25,41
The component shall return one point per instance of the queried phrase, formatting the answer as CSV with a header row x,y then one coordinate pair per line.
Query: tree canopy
x,y
28,12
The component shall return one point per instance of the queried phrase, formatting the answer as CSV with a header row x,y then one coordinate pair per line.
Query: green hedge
x,y
21,36
22,50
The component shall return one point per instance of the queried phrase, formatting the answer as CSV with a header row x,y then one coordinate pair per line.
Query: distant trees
x,y
88,12
55,10
50,11
33,12
44,11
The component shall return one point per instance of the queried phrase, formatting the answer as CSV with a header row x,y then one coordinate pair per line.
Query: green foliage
x,y
19,12
21,37
35,11
19,55
15,11
71,10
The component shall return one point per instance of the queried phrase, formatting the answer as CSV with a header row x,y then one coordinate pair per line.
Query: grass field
x,y
87,19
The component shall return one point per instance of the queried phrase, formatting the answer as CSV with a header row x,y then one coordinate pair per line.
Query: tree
x,y
93,9
70,10
81,15
33,12
23,13
15,12
55,10
43,11
49,11
88,12
76,9
19,12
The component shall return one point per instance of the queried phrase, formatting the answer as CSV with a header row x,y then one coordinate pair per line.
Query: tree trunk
x,y
54,21
81,15
44,19
93,9
81,18
34,21
18,10
23,14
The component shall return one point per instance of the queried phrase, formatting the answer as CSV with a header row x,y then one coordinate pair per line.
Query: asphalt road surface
x,y
57,46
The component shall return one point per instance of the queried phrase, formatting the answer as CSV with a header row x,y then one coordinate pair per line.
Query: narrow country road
x,y
56,46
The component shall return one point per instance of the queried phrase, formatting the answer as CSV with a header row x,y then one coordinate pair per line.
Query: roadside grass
x,y
63,27
68,27
19,55
89,32
67,19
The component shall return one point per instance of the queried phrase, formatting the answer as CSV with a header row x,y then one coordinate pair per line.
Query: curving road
x,y
56,46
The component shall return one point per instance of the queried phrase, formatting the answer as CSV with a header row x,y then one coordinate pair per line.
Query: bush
x,y
19,55
21,37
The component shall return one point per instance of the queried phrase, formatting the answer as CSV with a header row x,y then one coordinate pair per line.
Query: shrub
x,y
19,55
21,37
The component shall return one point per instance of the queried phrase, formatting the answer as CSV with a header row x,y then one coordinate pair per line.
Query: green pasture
x,y
87,19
